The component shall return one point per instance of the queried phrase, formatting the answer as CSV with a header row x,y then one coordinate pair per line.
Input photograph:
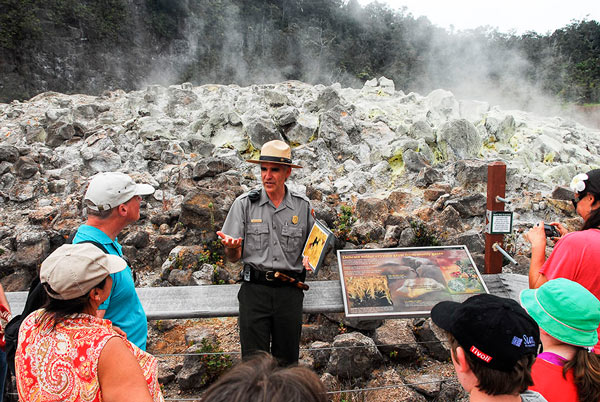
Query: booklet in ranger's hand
x,y
317,245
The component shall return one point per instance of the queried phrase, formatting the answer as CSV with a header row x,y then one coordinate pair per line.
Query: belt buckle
x,y
270,276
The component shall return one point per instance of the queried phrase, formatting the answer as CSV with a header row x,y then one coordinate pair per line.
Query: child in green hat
x,y
568,316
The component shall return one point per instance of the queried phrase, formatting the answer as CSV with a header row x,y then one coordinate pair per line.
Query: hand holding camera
x,y
551,231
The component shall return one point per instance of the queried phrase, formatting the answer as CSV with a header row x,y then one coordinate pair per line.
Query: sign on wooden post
x,y
496,187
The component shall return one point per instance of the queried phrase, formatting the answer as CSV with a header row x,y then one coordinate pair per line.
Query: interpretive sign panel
x,y
406,282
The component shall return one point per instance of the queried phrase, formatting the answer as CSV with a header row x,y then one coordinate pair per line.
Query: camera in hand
x,y
551,231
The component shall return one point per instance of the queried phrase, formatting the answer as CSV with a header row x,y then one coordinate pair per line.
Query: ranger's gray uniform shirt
x,y
273,237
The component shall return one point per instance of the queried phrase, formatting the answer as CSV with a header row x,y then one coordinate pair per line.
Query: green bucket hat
x,y
565,310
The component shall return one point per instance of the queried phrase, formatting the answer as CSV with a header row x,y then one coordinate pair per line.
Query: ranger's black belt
x,y
250,274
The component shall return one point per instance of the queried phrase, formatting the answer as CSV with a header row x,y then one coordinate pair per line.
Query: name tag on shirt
x,y
255,220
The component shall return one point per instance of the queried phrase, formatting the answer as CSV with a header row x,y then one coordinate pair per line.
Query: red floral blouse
x,y
61,364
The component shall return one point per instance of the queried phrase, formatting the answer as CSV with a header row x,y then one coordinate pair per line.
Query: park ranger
x,y
267,228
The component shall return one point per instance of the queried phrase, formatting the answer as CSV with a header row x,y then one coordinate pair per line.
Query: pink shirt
x,y
576,256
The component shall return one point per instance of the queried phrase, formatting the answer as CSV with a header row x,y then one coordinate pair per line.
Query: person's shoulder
x,y
532,396
297,194
580,236
247,196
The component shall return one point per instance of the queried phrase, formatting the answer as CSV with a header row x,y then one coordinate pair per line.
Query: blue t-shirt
x,y
123,306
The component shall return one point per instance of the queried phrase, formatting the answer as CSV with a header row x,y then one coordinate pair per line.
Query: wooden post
x,y
496,186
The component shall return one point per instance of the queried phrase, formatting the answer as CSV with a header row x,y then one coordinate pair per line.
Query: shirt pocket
x,y
292,238
257,236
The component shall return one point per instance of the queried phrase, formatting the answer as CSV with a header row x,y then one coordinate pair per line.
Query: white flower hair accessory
x,y
578,184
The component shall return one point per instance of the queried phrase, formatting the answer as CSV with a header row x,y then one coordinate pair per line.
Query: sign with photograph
x,y
406,282
316,245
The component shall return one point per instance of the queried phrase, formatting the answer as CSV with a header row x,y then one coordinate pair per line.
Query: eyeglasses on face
x,y
575,200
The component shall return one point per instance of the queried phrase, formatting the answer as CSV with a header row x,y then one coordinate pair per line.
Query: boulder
x,y
470,172
500,126
470,205
388,387
460,139
429,385
434,340
204,275
414,161
200,369
320,353
275,98
428,176
398,200
473,239
58,133
562,193
435,191
442,106
372,210
26,167
392,234
180,277
260,129
32,247
304,129
210,167
367,232
422,129
104,161
284,116
345,362
395,339
202,210
9,153
387,86
327,99
449,219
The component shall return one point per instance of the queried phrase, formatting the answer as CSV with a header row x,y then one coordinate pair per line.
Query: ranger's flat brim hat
x,y
275,151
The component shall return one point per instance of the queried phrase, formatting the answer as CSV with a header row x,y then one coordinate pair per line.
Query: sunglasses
x,y
575,201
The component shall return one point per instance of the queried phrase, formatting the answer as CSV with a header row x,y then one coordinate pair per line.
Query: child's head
x,y
494,337
566,310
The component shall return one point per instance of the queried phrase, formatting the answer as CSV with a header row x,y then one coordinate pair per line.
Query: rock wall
x,y
402,163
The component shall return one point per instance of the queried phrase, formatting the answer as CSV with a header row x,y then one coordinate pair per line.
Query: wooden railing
x,y
221,300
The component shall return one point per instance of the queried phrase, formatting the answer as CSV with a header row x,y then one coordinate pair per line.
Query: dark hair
x,y
57,310
586,373
593,220
261,380
496,382
99,214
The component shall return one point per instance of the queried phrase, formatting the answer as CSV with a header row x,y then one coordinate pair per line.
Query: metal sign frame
x,y
406,282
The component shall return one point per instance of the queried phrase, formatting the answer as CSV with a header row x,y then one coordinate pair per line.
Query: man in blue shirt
x,y
113,202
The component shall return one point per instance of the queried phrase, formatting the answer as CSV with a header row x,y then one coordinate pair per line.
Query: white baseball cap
x,y
110,189
72,270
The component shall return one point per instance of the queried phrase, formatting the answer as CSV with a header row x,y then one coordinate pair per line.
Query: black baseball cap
x,y
495,330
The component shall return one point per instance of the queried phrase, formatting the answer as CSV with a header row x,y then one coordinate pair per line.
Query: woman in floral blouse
x,y
65,352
